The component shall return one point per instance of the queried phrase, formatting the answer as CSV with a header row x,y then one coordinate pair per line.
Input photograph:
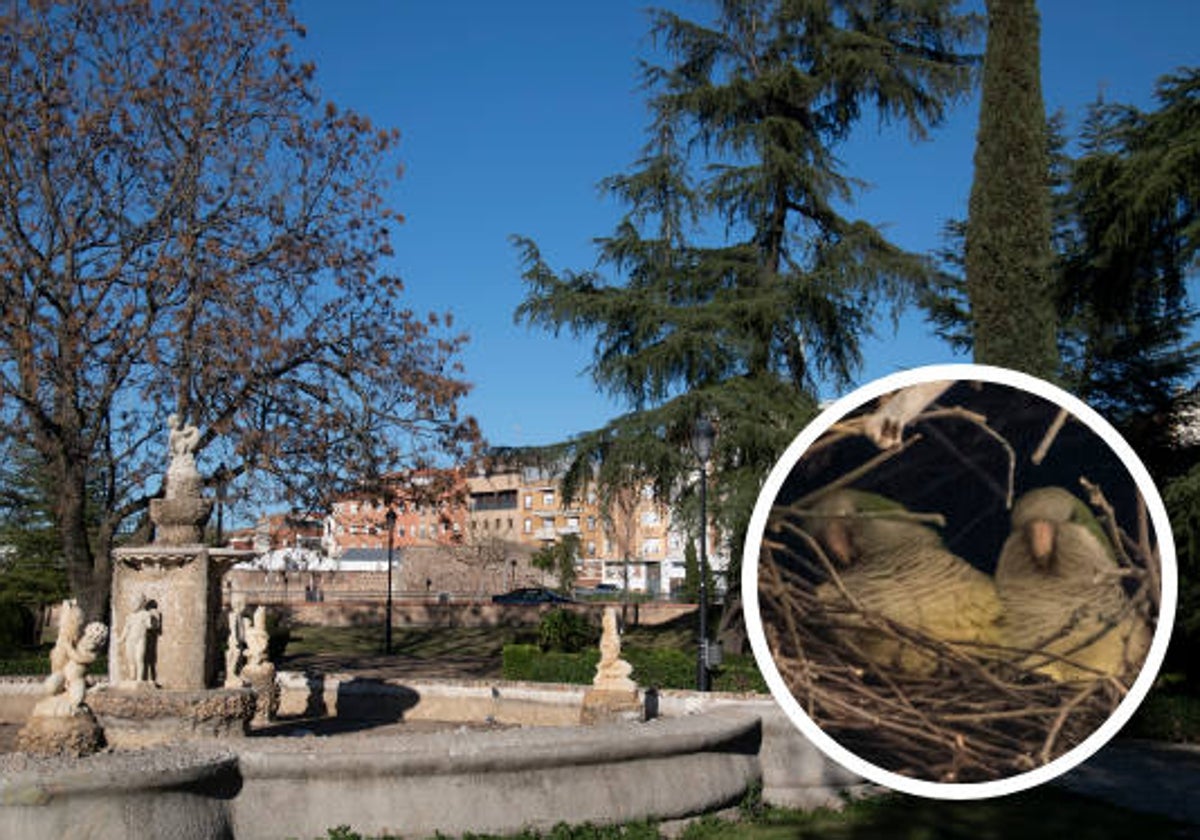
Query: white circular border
x,y
959,790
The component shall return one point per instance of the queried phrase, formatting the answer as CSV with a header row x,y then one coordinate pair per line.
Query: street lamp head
x,y
704,434
390,516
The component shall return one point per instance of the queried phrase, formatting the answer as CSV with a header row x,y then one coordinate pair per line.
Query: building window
x,y
528,526
548,498
528,501
591,523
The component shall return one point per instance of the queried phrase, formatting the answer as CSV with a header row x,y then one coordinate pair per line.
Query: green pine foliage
x,y
734,284
1128,252
559,559
32,572
1008,254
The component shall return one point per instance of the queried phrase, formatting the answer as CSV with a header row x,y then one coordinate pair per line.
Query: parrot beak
x,y
1041,534
837,540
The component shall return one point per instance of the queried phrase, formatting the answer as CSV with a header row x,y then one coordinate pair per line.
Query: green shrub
x,y
661,667
279,633
739,673
16,626
531,664
1167,717
566,631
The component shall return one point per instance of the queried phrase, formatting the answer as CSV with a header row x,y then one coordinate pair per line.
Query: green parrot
x,y
899,569
1058,580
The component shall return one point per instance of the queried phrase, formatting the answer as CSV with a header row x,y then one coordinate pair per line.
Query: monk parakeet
x,y
897,568
1059,583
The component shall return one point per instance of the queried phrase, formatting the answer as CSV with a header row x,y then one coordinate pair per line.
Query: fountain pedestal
x,y
166,607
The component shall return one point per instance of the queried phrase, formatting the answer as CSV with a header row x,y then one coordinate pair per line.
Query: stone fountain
x,y
166,606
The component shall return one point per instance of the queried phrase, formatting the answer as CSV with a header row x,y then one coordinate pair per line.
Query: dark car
x,y
531,595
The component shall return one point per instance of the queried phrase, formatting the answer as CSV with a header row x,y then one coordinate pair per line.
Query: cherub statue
x,y
70,624
257,639
183,441
67,684
182,476
236,641
137,639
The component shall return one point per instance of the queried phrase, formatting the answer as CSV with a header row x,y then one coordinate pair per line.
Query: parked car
x,y
531,595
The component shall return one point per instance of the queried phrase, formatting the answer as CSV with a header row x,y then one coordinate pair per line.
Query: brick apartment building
x,y
477,533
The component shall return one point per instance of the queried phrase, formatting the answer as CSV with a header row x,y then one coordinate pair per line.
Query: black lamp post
x,y
390,518
703,436
222,481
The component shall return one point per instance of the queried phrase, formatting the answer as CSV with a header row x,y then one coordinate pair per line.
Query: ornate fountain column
x,y
165,644
166,596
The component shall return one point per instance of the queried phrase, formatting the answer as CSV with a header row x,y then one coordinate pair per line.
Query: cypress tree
x,y
1008,249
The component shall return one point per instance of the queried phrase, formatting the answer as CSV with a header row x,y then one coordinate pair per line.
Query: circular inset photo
x,y
959,581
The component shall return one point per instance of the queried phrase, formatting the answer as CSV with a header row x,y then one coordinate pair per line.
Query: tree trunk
x,y
87,574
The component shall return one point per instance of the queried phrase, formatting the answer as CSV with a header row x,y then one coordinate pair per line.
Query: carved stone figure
x,y
613,695
236,641
256,638
61,723
612,672
70,625
183,480
259,671
72,654
138,642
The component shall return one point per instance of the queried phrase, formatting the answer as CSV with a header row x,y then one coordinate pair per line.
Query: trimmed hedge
x,y
531,664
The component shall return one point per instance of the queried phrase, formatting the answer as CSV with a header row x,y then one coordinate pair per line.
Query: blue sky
x,y
511,113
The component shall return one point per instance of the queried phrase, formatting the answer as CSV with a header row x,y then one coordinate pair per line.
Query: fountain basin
x,y
702,753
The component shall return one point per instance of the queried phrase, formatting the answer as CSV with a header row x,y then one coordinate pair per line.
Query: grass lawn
x,y
431,642
1046,812
418,642
1043,813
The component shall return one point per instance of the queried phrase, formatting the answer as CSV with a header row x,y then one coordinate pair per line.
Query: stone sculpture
x,y
613,695
180,515
257,639
236,641
612,672
259,671
138,641
61,723
183,442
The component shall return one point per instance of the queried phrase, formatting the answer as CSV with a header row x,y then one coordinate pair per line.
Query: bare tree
x,y
185,228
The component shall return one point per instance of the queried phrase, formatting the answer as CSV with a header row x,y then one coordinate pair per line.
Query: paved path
x,y
1143,776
